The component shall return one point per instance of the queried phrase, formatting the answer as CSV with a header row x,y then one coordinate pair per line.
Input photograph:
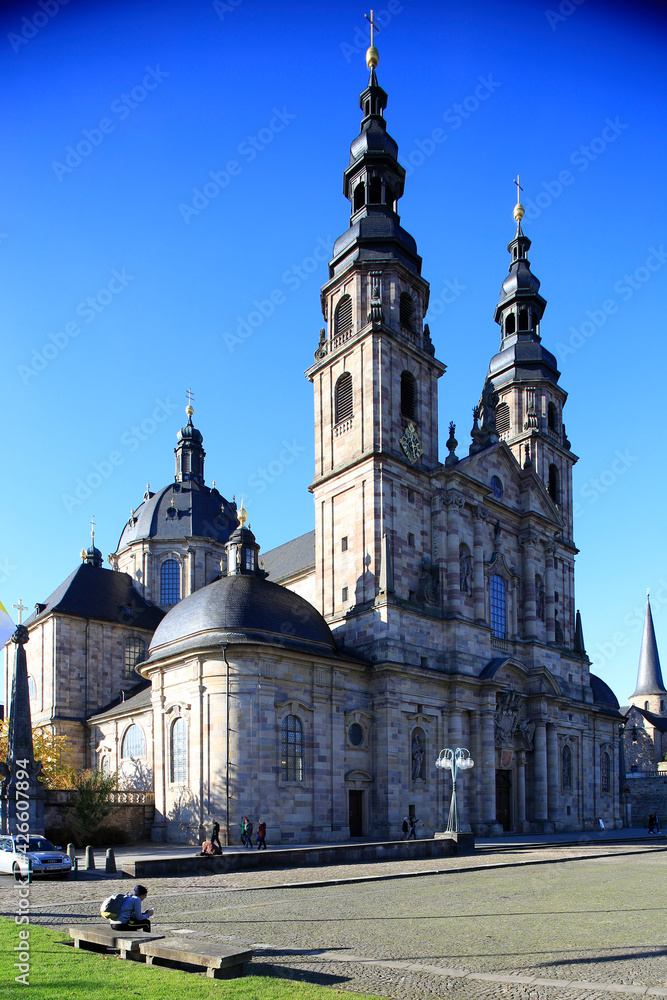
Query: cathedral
x,y
432,605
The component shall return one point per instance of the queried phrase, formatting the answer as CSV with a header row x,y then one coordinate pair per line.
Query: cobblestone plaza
x,y
583,921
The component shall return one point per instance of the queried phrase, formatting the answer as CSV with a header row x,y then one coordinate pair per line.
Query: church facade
x,y
432,606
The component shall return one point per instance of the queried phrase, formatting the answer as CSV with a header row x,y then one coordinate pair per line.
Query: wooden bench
x,y
100,937
221,961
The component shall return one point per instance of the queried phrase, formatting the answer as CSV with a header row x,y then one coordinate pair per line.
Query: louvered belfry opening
x,y
407,311
502,418
408,396
344,398
343,316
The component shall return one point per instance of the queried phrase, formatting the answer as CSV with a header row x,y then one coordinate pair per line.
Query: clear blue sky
x,y
157,96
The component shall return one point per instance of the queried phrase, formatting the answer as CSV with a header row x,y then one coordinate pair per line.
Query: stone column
x,y
540,773
474,780
549,593
528,543
439,535
453,501
479,517
488,769
552,772
521,791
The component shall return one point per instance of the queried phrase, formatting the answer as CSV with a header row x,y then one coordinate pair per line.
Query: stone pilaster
x,y
528,543
479,517
552,772
521,825
549,593
453,502
540,775
488,771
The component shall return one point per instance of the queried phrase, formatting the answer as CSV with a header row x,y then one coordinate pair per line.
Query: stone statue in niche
x,y
465,572
417,756
539,597
428,590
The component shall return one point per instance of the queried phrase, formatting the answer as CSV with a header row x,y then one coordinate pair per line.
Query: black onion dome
x,y
190,433
196,511
242,609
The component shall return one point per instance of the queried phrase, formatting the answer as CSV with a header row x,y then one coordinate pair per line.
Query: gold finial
x,y
189,408
242,514
519,210
372,55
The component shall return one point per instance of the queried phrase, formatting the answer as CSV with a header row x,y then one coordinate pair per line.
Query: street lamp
x,y
454,761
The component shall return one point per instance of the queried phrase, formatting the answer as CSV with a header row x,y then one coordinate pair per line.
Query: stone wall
x,y
132,812
648,794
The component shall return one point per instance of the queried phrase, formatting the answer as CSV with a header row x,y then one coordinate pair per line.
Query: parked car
x,y
44,857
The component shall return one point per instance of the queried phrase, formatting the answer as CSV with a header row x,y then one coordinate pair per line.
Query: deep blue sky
x,y
220,73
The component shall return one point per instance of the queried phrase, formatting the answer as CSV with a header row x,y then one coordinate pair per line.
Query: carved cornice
x,y
452,498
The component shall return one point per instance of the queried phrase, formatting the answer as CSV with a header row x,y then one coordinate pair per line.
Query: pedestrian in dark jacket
x,y
248,833
413,824
215,836
405,828
261,835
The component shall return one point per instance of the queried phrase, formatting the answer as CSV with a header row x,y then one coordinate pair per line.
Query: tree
x,y
89,804
55,752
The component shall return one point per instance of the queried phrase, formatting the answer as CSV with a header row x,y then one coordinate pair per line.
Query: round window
x,y
496,486
356,734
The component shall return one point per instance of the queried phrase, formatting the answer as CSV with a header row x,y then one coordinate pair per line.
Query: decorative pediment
x,y
511,728
498,564
176,708
356,774
420,719
293,707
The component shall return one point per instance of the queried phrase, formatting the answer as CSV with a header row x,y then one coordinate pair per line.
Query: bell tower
x,y
375,387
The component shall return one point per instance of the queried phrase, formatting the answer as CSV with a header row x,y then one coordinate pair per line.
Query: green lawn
x,y
57,972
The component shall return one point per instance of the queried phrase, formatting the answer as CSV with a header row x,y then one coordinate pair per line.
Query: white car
x,y
44,857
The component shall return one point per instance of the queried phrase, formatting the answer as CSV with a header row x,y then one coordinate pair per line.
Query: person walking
x,y
413,824
657,822
405,828
261,835
651,823
130,917
215,835
244,820
248,833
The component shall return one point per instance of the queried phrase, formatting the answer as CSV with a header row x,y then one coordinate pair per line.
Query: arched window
x,y
344,397
566,768
291,748
32,687
178,750
510,324
523,319
605,773
134,743
552,417
359,196
554,483
135,650
406,310
343,316
502,418
646,706
105,767
498,607
375,191
496,485
170,582
408,396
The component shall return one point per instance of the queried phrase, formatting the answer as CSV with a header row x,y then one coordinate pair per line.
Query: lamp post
x,y
454,760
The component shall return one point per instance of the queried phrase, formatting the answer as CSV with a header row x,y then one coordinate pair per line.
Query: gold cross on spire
x,y
519,210
372,24
20,607
92,528
518,188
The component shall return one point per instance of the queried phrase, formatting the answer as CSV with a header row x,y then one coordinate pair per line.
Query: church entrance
x,y
356,799
503,790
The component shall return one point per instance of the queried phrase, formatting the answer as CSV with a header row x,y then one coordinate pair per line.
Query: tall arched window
x,y
552,417
566,768
32,687
170,582
408,395
178,750
554,483
135,650
406,310
502,418
498,607
105,767
291,748
510,324
359,196
343,315
134,743
605,773
523,319
375,191
344,402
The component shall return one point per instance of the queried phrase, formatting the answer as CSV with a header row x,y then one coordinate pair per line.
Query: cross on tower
x,y
372,24
20,607
518,189
190,394
92,527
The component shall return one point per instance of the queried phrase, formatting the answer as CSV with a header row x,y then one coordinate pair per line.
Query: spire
x,y
189,451
92,556
649,674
